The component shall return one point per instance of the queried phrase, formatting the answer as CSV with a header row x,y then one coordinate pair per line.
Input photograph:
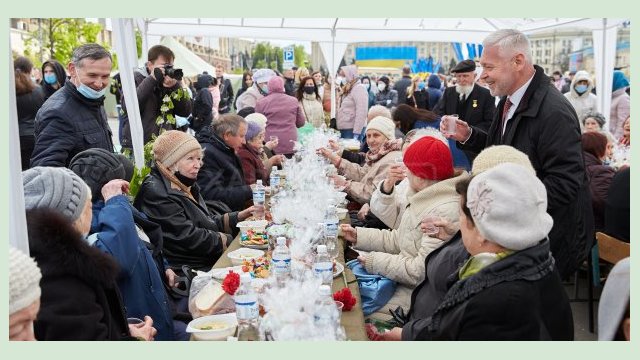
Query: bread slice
x,y
208,296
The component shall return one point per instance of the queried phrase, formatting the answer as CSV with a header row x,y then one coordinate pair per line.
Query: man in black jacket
x,y
535,118
73,119
226,91
221,176
402,85
157,86
473,103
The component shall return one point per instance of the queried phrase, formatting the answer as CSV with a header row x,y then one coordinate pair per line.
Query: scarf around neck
x,y
373,156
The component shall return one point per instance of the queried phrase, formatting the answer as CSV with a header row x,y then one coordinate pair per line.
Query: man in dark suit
x,y
473,103
535,118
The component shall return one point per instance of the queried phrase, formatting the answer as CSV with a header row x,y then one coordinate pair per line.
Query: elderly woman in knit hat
x,y
252,156
399,254
120,230
171,197
384,149
24,295
509,288
80,299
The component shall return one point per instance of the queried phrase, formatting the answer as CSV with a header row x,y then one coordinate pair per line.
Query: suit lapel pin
x,y
475,103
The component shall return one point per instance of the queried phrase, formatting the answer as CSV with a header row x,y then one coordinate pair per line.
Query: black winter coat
x,y
545,127
221,176
440,272
150,94
191,235
202,109
477,109
27,106
226,96
67,124
519,297
600,177
401,87
80,299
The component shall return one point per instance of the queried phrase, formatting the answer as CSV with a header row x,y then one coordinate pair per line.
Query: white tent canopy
x,y
190,63
333,34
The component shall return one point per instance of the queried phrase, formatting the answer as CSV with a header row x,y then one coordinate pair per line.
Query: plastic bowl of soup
x,y
213,327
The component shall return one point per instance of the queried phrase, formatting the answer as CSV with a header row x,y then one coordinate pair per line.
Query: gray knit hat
x,y
614,300
24,280
55,188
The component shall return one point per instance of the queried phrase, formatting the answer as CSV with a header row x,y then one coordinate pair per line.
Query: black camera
x,y
172,72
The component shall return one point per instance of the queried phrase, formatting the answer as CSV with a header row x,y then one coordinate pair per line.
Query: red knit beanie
x,y
429,158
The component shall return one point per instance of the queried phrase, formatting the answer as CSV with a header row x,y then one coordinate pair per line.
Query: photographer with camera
x,y
157,85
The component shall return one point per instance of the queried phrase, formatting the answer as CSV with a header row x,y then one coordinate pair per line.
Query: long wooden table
x,y
353,321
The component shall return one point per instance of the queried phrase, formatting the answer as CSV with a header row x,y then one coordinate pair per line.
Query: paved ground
x,y
580,313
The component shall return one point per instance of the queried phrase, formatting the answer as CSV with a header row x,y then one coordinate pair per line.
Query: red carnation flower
x,y
231,283
344,295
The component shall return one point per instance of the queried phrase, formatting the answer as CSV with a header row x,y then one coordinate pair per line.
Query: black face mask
x,y
309,89
183,179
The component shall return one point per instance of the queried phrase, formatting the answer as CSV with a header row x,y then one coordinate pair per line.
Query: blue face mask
x,y
421,85
50,78
265,89
580,89
89,93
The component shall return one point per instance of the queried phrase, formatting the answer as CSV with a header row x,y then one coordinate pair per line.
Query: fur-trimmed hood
x,y
59,249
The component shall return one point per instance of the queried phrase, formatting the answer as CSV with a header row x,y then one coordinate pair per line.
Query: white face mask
x,y
340,80
382,86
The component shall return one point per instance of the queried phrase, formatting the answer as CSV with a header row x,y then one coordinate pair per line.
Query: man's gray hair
x,y
89,51
228,123
509,42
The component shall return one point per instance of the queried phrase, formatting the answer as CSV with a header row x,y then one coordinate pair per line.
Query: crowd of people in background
x,y
528,174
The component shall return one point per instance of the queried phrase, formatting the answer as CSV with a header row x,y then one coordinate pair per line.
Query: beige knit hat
x,y
499,154
172,146
24,280
384,125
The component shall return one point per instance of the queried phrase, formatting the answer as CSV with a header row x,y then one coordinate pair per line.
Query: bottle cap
x,y
324,290
322,249
259,182
281,240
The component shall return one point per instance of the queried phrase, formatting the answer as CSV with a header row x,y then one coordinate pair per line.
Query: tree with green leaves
x,y
57,37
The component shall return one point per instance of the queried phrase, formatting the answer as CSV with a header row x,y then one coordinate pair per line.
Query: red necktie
x,y
505,111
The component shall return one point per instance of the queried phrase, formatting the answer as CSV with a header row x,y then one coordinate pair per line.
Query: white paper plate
x,y
221,273
339,270
254,246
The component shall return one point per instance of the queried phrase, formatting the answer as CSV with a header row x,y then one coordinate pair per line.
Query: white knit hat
x,y
257,118
508,204
24,280
384,125
263,75
614,300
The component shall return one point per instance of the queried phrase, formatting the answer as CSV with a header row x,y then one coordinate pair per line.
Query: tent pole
x,y
125,45
17,220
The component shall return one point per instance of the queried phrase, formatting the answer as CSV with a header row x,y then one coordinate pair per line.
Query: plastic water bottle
x,y
323,266
258,200
274,180
281,261
331,232
325,315
247,311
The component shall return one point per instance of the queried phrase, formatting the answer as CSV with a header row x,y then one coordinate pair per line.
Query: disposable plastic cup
x,y
451,124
